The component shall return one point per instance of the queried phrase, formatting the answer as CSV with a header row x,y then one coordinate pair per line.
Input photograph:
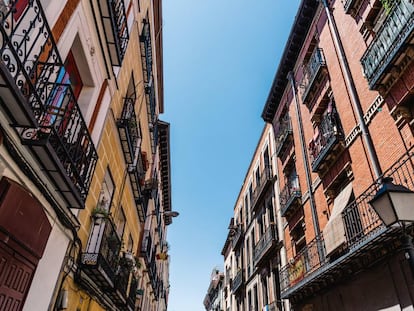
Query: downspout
x,y
352,90
315,219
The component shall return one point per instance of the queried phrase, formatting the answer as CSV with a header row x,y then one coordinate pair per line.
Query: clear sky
x,y
220,58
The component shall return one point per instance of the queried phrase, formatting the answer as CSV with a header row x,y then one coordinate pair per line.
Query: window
x,y
248,256
120,221
298,236
107,191
266,158
130,245
246,208
256,300
257,175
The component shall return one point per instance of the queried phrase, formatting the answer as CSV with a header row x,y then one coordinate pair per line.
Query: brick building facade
x,y
341,108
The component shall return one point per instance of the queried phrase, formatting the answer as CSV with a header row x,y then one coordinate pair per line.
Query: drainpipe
x,y
315,219
352,90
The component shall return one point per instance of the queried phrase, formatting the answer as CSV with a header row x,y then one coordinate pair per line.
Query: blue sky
x,y
220,58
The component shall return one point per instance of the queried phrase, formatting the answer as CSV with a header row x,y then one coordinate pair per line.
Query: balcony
x,y
238,236
262,184
147,61
114,21
152,116
326,147
132,295
383,60
100,262
130,136
42,108
367,241
290,197
148,250
237,281
284,136
266,245
312,73
351,6
147,247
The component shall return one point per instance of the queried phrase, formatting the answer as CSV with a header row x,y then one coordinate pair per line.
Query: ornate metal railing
x,y
237,281
285,129
132,295
115,25
130,136
29,54
351,6
107,256
146,51
289,194
147,247
238,234
304,263
330,133
263,181
391,36
362,227
311,71
120,26
122,279
146,60
152,116
268,239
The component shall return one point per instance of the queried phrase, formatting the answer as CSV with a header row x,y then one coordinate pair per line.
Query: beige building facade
x,y
251,250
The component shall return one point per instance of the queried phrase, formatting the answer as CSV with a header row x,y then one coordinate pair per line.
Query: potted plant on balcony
x,y
388,5
98,214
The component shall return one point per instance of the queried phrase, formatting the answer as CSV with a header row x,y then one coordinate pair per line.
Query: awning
x,y
334,231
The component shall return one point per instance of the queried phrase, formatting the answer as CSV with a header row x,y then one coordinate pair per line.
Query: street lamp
x,y
166,213
394,204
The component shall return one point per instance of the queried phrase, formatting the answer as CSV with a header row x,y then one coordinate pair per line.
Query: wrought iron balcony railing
x,y
152,116
130,136
262,184
311,73
350,6
267,242
238,236
147,62
132,295
146,51
284,136
100,259
147,248
329,137
290,196
365,235
390,39
115,26
43,108
237,281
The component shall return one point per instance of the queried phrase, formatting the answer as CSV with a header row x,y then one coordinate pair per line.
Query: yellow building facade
x,y
83,146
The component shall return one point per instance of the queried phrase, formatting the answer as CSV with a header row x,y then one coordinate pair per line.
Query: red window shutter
x,y
20,7
74,75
